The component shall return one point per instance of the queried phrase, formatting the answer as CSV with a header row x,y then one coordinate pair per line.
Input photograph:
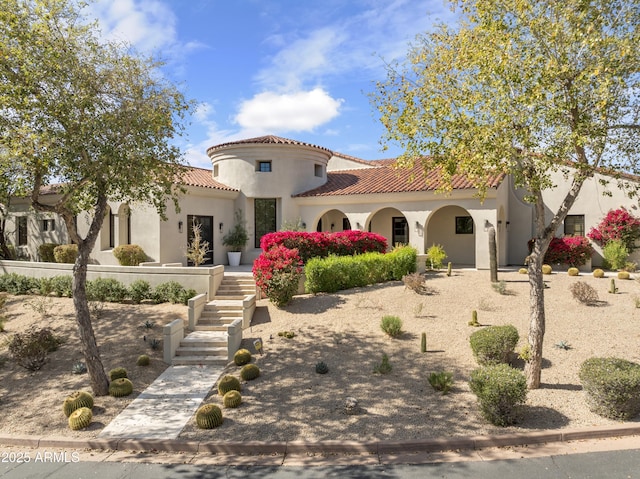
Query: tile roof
x,y
203,178
385,178
267,139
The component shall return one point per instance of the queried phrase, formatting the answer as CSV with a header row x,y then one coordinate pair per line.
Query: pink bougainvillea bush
x,y
320,244
572,250
617,225
277,273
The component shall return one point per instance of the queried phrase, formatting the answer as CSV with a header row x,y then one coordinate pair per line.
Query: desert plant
x,y
80,418
612,386
287,334
392,325
117,373
547,269
500,390
423,343
573,272
416,282
237,238
612,286
584,293
66,253
76,400
155,344
617,225
242,357
523,271
143,360
500,287
228,383
598,273
209,416
232,399
563,344
441,381
129,254
106,290
140,290
384,367
148,324
525,352
61,286
494,344
615,254
322,368
197,249
249,372
79,368
474,319
623,275
436,255
120,387
45,250
30,349
169,292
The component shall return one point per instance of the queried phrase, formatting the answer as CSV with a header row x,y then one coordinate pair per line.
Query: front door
x,y
206,234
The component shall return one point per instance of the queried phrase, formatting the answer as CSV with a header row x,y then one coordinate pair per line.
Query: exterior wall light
x,y
180,226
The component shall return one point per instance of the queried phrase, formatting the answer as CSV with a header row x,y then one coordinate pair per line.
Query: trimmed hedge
x,y
129,254
494,344
336,273
66,253
501,390
45,250
612,386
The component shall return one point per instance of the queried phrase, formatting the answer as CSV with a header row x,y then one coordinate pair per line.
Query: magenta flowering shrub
x,y
320,244
277,273
617,225
572,250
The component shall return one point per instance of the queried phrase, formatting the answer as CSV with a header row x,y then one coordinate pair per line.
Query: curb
x,y
440,444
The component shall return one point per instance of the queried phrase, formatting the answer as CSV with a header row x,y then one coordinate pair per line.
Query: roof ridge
x,y
268,139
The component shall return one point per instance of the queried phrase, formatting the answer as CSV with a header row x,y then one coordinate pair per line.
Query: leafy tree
x,y
91,116
524,88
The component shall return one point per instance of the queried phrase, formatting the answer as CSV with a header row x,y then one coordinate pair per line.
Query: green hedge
x,y
335,273
494,344
501,391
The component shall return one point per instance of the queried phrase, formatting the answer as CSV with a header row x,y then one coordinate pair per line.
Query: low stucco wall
x,y
203,280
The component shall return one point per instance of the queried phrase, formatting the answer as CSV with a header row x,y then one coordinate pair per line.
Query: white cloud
x,y
281,112
203,111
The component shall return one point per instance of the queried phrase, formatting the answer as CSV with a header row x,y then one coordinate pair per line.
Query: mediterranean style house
x,y
276,181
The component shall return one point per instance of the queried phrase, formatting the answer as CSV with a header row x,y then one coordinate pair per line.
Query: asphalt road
x,y
610,465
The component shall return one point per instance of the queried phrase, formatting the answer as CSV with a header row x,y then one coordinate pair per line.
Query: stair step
x,y
202,351
221,327
217,320
221,314
197,360
214,342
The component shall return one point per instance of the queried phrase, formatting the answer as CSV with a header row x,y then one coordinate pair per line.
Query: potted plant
x,y
236,239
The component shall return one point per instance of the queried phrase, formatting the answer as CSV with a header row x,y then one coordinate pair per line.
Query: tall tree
x,y
91,115
526,88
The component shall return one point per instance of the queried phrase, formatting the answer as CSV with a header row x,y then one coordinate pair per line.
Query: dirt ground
x,y
290,401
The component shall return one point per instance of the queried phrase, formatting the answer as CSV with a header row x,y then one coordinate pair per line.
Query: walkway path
x,y
165,407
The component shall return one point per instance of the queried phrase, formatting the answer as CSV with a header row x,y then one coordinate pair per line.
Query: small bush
x,y
169,292
45,250
612,386
442,381
416,282
18,284
435,256
384,367
66,253
500,287
392,325
129,254
140,290
501,390
106,290
494,344
30,349
584,293
615,254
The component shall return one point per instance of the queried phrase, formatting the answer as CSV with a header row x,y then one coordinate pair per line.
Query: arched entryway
x,y
392,224
453,228
332,221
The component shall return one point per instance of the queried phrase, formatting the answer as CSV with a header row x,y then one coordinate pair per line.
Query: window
x,y
400,230
112,229
464,225
263,166
574,225
318,170
48,225
216,171
346,224
22,230
265,217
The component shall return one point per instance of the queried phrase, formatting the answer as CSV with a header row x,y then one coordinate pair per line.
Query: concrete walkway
x,y
165,407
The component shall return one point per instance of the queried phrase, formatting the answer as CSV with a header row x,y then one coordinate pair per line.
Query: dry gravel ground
x,y
290,401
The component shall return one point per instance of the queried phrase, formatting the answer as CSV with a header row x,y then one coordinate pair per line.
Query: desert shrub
x,y
186,295
612,386
140,290
436,255
129,254
615,254
277,273
416,282
617,225
62,286
500,287
584,293
169,292
45,250
501,390
30,349
106,289
402,261
18,284
384,366
494,344
441,381
66,253
392,325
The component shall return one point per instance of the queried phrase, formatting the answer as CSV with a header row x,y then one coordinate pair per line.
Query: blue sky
x,y
301,69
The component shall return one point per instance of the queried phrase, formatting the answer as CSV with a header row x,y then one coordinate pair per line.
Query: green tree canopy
x,y
524,88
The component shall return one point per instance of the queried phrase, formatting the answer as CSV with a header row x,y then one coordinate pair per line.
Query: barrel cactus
x,y
120,387
228,383
598,273
77,400
623,275
208,416
322,368
523,271
242,357
143,360
573,272
80,418
546,269
117,373
249,372
232,399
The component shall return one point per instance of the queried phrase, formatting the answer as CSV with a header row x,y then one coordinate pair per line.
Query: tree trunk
x,y
533,366
97,374
493,254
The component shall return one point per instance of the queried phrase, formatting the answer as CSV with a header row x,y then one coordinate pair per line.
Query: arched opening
x,y
332,221
124,224
392,224
453,228
107,232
